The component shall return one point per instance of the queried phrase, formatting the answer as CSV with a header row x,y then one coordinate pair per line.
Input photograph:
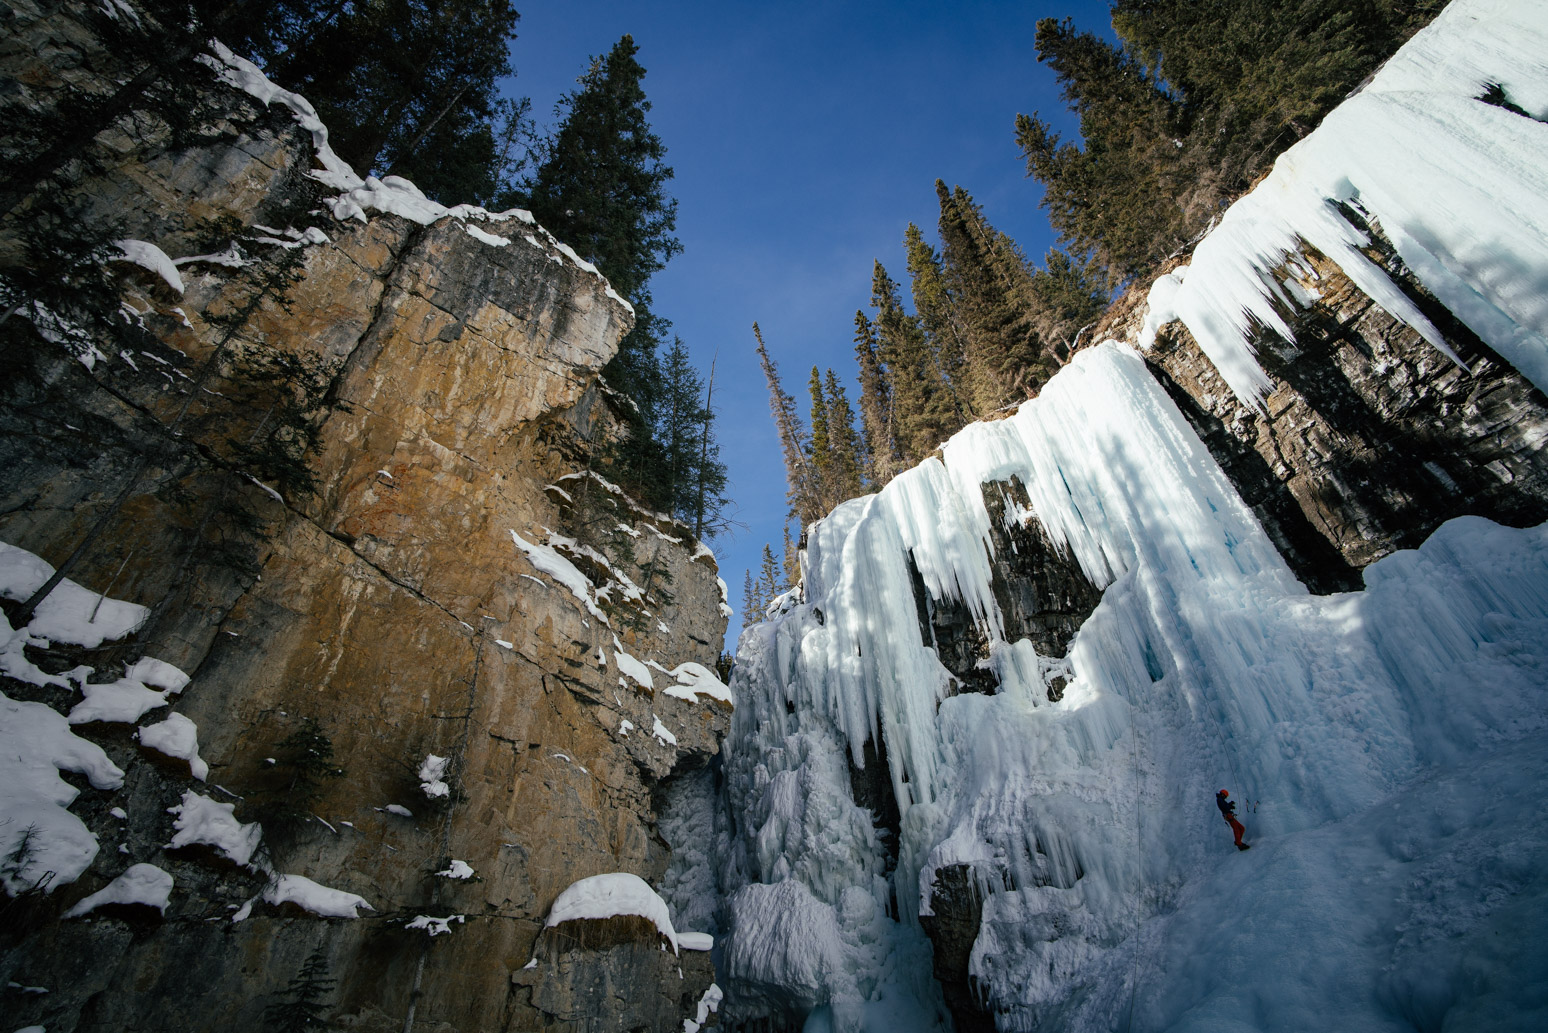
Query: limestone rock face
x,y
581,963
1372,438
957,906
387,614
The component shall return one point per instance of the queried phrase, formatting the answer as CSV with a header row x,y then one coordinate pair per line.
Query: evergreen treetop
x,y
602,185
804,495
846,453
881,442
1196,99
302,1006
407,87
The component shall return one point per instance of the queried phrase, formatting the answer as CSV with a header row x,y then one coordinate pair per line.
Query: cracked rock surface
x,y
389,607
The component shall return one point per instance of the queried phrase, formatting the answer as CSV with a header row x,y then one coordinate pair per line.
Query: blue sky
x,y
805,137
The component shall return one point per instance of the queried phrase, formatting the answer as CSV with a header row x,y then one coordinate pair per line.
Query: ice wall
x,y
1206,665
1389,747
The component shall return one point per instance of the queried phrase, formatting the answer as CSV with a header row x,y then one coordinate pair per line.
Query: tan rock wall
x,y
391,607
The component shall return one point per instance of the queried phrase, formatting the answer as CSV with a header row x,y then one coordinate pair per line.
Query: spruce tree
x,y
708,503
1068,297
753,603
407,87
820,448
302,1006
792,558
803,496
1113,197
695,477
938,313
881,442
992,285
921,402
835,448
845,447
771,578
601,189
602,186
1197,100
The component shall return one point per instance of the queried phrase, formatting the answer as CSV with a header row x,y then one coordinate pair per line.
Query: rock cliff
x,y
350,468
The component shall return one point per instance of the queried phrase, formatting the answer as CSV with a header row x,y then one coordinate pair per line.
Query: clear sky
x,y
805,137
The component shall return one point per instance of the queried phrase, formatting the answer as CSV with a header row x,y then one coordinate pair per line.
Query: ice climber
x,y
1228,811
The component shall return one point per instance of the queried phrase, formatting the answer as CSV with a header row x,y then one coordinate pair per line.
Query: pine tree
x,y
804,500
602,185
992,285
820,448
1200,96
771,579
709,501
921,402
753,604
601,189
407,87
792,557
836,451
847,462
695,477
1068,297
1114,197
881,443
302,1006
938,314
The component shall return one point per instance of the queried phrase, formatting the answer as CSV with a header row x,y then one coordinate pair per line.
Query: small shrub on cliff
x,y
302,1006
289,789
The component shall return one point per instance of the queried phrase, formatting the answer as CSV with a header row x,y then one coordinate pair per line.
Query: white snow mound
x,y
139,884
606,896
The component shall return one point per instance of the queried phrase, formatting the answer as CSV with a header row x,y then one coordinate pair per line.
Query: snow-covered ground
x,y
1389,747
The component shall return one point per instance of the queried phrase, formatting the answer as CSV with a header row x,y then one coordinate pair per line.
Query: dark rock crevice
x,y
870,785
957,903
1042,593
1371,437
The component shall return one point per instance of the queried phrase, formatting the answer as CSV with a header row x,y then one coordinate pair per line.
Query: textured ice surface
x,y
1386,746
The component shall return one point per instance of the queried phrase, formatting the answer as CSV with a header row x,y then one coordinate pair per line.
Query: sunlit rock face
x,y
1283,535
390,611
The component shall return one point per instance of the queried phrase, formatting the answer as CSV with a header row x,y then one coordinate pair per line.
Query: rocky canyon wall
x,y
414,650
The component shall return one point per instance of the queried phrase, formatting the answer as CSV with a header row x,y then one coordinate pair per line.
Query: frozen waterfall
x,y
1389,746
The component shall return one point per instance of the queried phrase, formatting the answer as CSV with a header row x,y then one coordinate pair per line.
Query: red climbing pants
x,y
1237,828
